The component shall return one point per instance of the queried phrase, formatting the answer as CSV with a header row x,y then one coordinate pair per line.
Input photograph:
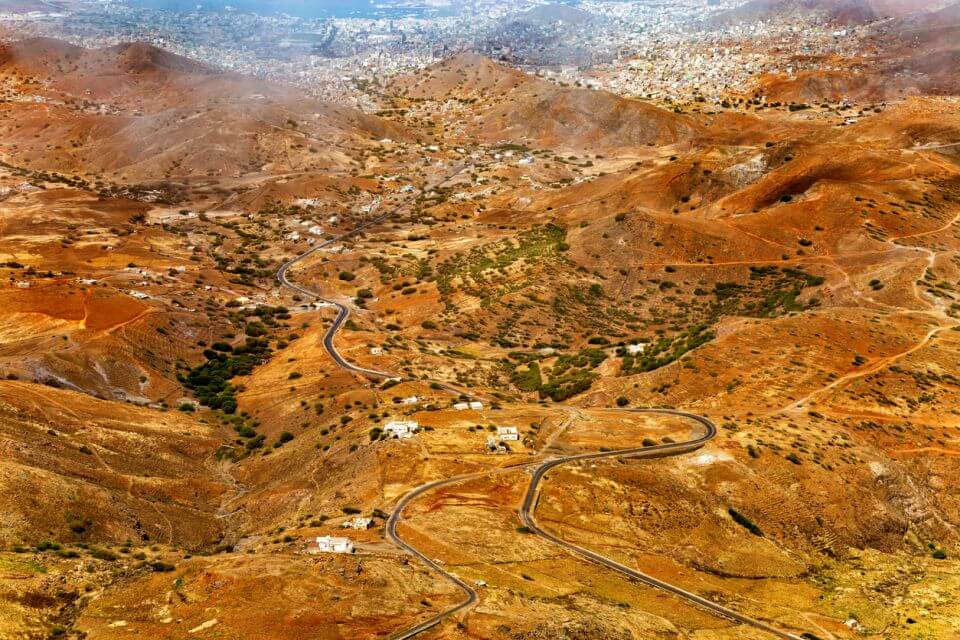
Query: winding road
x,y
538,469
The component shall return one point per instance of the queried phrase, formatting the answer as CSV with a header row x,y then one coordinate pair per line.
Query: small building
x,y
359,522
410,400
331,544
376,351
476,405
634,349
22,284
401,428
508,433
460,406
495,446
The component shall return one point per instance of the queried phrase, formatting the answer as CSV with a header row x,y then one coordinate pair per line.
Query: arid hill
x,y
844,12
137,112
917,54
511,106
555,253
77,468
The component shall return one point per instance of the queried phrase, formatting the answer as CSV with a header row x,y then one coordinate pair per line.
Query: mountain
x,y
136,111
843,12
508,105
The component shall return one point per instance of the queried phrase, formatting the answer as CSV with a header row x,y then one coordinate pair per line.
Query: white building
x,y
410,400
401,428
634,349
463,406
508,433
358,523
331,544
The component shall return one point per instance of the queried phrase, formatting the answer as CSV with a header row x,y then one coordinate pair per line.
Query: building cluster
x,y
504,434
669,51
680,66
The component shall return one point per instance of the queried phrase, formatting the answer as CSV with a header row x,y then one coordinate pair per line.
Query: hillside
x,y
843,12
135,111
511,106
222,303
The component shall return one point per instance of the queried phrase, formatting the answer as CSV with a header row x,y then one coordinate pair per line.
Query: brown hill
x,y
49,55
516,107
77,468
848,12
919,53
831,86
141,112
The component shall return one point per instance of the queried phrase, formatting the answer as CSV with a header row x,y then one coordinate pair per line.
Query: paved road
x,y
343,311
540,469
530,500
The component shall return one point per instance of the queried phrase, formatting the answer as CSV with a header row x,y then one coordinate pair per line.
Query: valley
x,y
547,360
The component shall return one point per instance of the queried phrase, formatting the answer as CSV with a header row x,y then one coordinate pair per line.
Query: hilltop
x,y
507,105
135,111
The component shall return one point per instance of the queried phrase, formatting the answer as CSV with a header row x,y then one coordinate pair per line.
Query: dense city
x,y
674,52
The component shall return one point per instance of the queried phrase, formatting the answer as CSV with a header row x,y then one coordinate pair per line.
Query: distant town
x,y
673,52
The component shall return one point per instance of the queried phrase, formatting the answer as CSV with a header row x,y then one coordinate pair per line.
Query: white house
x,y
401,428
376,351
460,406
508,433
476,404
331,544
634,349
410,400
358,523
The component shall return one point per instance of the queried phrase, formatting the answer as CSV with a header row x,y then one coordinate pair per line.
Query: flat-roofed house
x,y
331,544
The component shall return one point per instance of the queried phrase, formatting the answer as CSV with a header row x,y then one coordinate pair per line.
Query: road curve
x,y
528,507
343,311
539,469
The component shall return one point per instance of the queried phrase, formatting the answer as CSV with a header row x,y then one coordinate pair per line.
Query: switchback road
x,y
539,469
